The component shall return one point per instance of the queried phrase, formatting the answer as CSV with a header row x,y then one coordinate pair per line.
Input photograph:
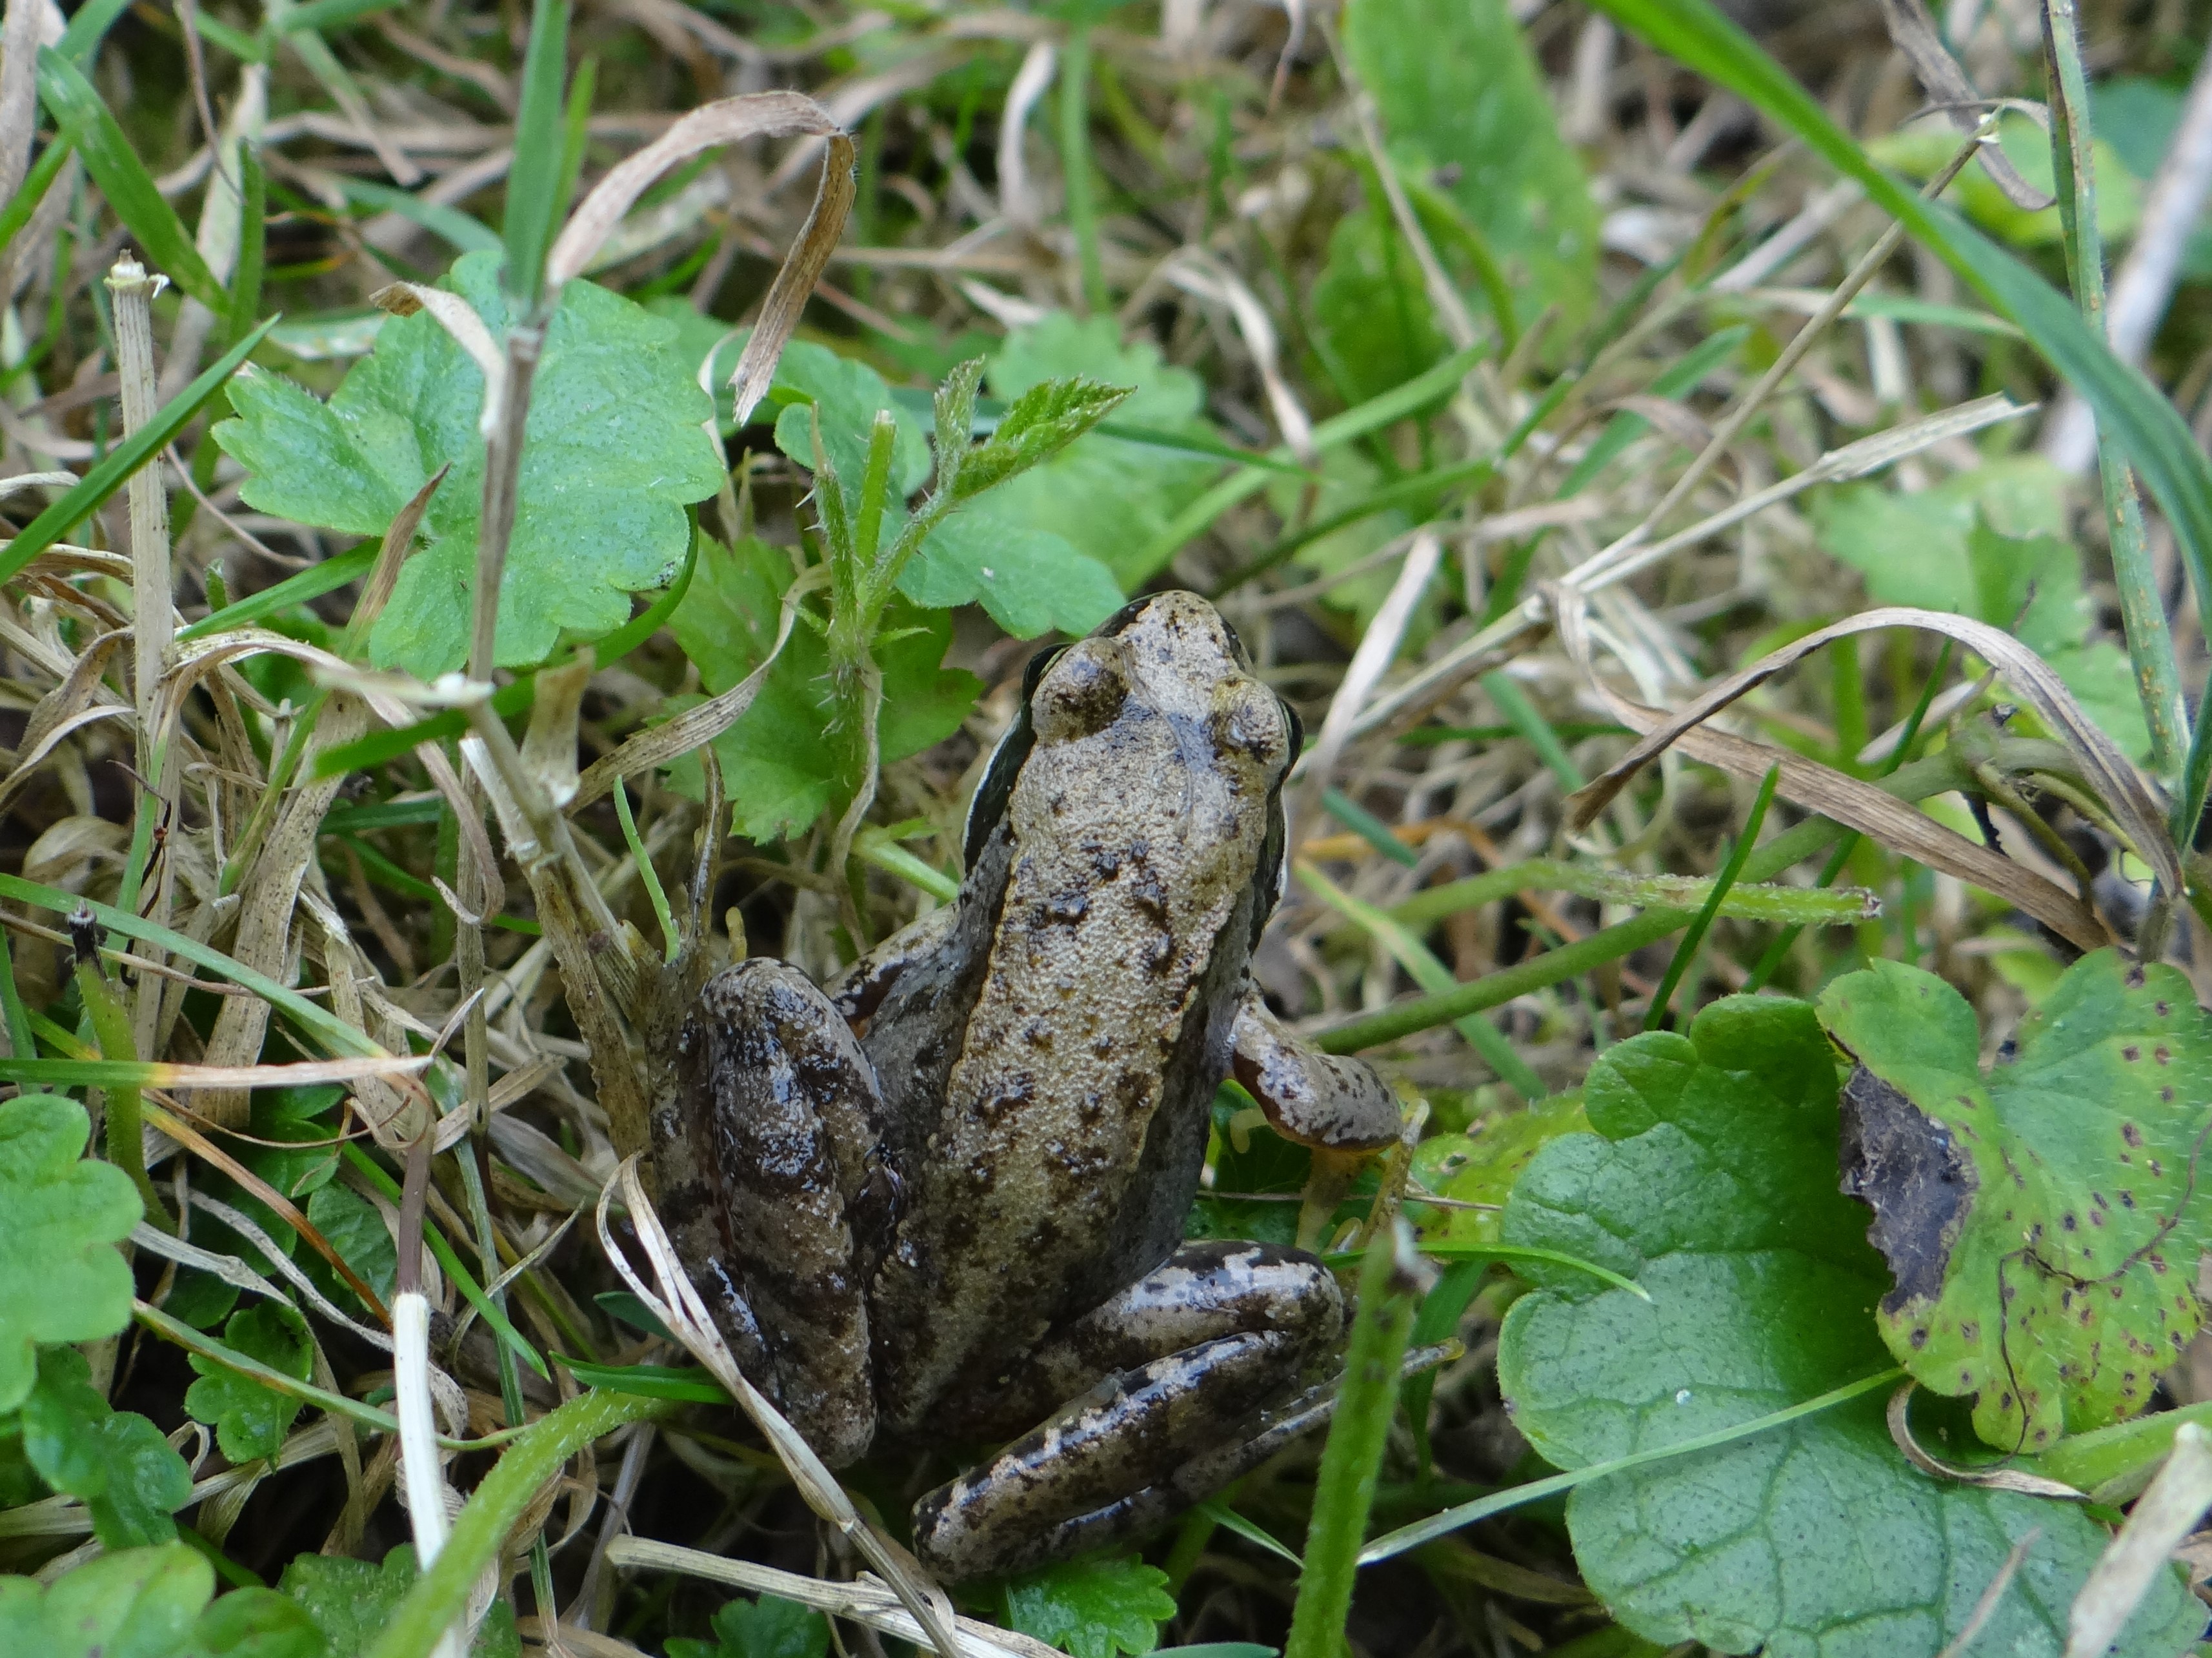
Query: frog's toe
x,y
1320,1099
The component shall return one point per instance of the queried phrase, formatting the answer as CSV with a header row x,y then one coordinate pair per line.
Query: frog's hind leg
x,y
1168,1381
774,1193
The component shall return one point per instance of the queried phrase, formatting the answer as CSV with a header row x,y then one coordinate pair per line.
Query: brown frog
x,y
943,1203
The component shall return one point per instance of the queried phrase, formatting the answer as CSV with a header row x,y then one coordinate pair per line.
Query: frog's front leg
x,y
1320,1099
1167,1380
775,1193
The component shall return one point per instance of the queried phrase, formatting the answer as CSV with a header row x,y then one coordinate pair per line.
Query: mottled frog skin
x,y
943,1203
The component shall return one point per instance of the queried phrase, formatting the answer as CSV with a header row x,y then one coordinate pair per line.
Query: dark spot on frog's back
x,y
1908,1169
1066,908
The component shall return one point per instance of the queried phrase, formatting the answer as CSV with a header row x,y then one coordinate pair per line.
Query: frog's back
x,y
1118,897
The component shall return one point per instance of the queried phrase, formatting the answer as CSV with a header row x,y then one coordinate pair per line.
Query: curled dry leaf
x,y
1832,794
726,121
1998,1478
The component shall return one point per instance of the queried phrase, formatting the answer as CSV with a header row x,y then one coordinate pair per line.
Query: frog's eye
x,y
1243,657
1120,621
1031,674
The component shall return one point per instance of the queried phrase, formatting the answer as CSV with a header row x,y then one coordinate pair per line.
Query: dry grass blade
x,y
677,1305
1995,1479
2166,1513
1915,34
694,726
863,1602
1832,794
2117,782
1985,1607
755,115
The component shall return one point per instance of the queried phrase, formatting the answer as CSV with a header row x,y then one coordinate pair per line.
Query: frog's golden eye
x,y
1043,659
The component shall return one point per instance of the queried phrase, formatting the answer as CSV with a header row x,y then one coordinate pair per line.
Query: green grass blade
x,y
533,188
1656,1019
1368,827
123,178
33,190
464,234
1467,1513
1075,166
312,582
126,457
80,41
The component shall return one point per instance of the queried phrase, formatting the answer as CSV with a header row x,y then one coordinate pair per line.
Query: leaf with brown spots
x,y
2042,1222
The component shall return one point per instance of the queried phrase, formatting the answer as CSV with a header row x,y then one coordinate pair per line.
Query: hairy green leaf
x,y
249,1419
614,452
1043,420
2043,1222
116,1462
351,1601
1093,1607
61,1216
1710,1180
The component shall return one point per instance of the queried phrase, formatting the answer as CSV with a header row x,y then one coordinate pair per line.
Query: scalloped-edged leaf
x,y
616,449
116,1462
1030,580
61,1217
1093,1607
2043,1221
1710,1180
249,1419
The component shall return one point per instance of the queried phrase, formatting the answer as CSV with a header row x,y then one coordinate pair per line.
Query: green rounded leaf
x,y
249,1419
616,449
1712,1181
2043,1221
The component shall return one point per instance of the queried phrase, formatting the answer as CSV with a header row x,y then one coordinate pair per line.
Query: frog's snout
x,y
1084,691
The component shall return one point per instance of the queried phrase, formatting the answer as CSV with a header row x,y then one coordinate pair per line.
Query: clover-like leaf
x,y
1030,580
778,764
116,1462
2043,1222
615,449
61,1217
249,1419
132,1603
1092,1607
1710,1180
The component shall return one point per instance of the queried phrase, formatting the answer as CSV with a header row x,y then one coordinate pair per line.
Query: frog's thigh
x,y
1320,1099
780,1106
1176,1367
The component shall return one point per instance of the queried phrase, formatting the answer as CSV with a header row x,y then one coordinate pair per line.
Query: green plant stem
x,y
440,1594
2150,637
1075,166
1351,1461
111,1029
1656,1017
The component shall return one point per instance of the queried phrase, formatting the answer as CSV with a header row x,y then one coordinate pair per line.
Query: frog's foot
x,y
771,1195
1318,1099
1177,1368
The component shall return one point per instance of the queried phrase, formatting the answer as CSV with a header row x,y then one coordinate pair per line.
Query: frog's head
x,y
1170,655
